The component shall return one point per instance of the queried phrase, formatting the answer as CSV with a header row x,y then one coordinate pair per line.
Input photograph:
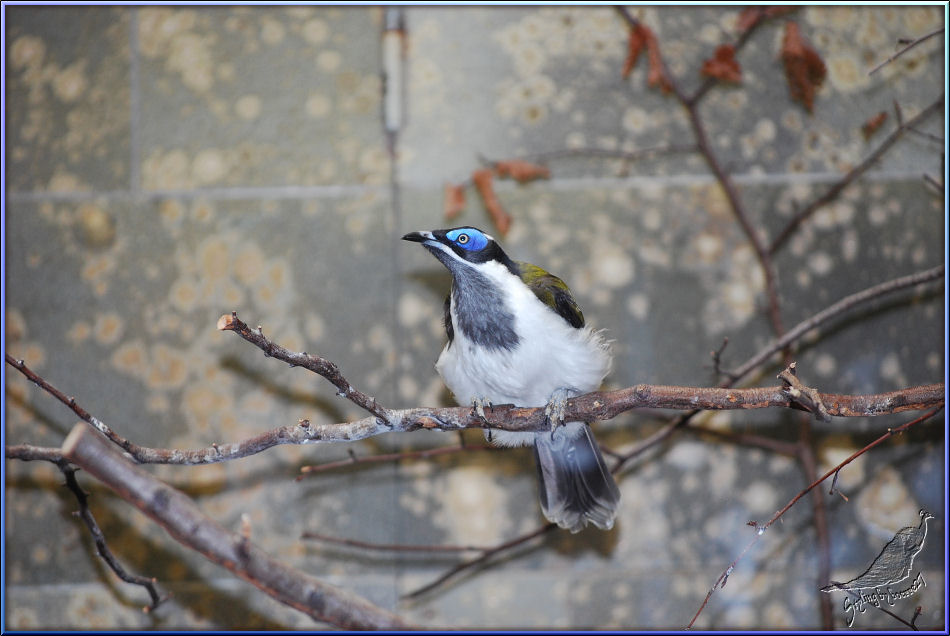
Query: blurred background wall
x,y
165,166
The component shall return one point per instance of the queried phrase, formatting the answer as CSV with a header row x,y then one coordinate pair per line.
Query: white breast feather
x,y
551,355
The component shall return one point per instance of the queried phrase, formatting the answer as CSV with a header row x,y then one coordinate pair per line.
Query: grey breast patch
x,y
481,312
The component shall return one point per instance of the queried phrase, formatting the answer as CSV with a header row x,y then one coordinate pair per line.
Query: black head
x,y
467,244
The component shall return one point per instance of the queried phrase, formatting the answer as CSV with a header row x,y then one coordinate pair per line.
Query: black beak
x,y
418,237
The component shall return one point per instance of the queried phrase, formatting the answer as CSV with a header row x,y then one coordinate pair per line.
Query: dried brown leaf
x,y
642,37
521,171
656,76
804,68
723,65
484,183
872,125
453,200
635,44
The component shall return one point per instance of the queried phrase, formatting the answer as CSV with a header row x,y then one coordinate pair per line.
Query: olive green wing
x,y
553,292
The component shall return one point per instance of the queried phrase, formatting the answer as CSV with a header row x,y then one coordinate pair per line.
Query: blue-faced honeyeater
x,y
517,336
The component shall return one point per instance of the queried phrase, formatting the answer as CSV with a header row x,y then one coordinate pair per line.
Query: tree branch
x,y
481,559
69,472
391,547
27,453
896,55
809,467
832,193
30,453
739,211
834,310
318,365
185,522
764,16
597,405
760,529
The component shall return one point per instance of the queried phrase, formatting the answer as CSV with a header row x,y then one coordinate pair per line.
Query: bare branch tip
x,y
226,322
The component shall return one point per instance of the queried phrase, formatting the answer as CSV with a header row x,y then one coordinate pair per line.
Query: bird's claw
x,y
479,404
554,410
478,407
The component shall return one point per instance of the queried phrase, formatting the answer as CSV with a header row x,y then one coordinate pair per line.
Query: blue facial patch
x,y
468,238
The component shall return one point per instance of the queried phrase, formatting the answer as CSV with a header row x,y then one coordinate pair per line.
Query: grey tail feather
x,y
576,487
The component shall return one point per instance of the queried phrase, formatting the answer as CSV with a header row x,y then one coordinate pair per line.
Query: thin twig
x,y
923,134
896,55
790,337
741,215
479,560
83,414
654,439
26,452
809,466
625,14
738,45
832,193
890,433
808,397
716,356
69,472
392,547
836,309
746,439
760,529
320,366
933,183
691,105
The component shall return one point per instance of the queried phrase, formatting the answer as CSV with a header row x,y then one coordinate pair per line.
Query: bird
x,y
517,336
895,561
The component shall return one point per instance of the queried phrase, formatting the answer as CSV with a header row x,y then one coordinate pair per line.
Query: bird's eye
x,y
468,238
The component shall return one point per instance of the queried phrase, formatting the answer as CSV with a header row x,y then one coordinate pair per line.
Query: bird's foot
x,y
554,410
479,404
478,407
